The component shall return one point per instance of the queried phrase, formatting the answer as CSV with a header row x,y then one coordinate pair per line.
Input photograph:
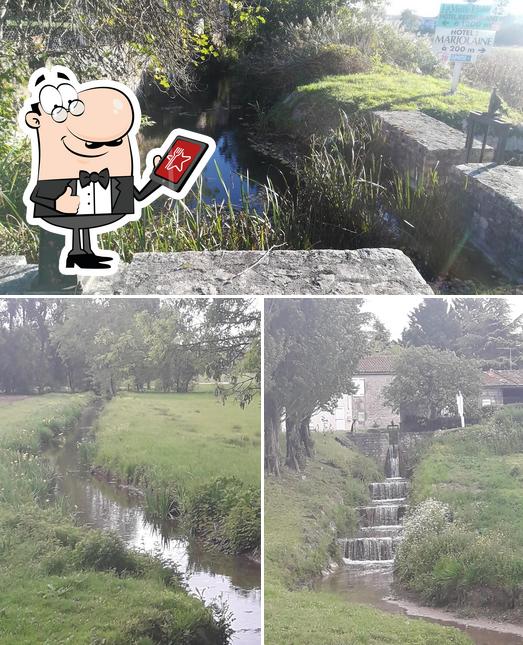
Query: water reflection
x,y
212,112
213,576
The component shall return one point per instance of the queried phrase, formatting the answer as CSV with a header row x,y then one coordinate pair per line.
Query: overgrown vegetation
x,y
61,582
304,515
501,68
34,423
466,548
196,457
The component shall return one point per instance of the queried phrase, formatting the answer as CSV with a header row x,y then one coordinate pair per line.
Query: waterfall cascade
x,y
381,521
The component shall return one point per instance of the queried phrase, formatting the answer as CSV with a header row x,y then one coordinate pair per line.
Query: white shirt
x,y
94,199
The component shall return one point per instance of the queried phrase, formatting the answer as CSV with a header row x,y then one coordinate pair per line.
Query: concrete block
x,y
359,272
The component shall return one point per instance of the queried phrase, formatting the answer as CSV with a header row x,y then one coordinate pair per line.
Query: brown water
x,y
211,575
372,586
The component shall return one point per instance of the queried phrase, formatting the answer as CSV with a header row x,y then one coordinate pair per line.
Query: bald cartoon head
x,y
81,127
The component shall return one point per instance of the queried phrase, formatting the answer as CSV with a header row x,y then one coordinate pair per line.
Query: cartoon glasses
x,y
60,101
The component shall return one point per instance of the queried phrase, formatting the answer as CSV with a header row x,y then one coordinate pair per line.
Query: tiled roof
x,y
376,364
507,378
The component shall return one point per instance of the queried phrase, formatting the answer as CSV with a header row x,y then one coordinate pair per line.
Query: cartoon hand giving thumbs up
x,y
67,202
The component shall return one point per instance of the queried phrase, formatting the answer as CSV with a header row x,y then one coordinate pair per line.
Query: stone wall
x,y
495,200
411,443
359,272
376,444
372,444
419,143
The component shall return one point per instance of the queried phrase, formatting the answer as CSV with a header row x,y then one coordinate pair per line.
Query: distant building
x,y
367,408
501,387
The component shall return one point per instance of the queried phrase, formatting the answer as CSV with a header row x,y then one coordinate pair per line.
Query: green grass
x,y
184,438
478,473
194,456
34,422
51,596
64,584
315,108
304,514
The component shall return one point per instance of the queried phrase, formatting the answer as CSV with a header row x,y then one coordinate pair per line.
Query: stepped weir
x,y
381,523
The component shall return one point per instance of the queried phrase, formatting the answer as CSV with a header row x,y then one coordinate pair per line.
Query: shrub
x,y
446,562
279,67
501,68
104,551
226,513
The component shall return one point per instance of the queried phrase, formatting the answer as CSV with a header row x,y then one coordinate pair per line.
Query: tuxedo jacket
x,y
123,195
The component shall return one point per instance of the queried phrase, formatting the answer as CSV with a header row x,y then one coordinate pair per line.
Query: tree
x,y
312,348
409,20
433,323
489,333
426,382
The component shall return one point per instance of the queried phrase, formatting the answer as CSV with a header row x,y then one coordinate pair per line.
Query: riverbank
x,y
63,582
195,458
471,559
305,513
314,109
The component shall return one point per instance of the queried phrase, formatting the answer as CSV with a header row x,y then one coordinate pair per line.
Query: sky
x,y
430,8
393,311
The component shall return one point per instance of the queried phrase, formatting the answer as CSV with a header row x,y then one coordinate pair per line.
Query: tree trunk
x,y
272,437
305,437
294,456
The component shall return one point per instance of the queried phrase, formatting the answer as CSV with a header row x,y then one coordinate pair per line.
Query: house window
x,y
485,403
359,384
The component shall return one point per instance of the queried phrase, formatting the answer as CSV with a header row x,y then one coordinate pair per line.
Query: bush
x,y
501,68
343,42
279,67
104,551
445,562
226,513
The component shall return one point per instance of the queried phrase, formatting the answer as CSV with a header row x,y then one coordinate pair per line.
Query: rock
x,y
16,276
359,272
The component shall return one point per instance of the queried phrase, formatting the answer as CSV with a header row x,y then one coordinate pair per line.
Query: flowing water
x,y
369,557
214,576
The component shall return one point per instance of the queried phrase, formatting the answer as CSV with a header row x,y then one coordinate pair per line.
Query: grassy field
x,y
478,473
304,514
315,108
193,455
62,584
30,423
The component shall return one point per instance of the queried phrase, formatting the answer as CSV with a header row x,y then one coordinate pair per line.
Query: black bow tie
x,y
101,177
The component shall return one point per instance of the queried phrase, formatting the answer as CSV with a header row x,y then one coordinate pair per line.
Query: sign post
x,y
456,74
464,32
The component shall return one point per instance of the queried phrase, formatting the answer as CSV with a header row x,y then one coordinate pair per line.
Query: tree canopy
x,y
427,380
479,328
107,344
312,348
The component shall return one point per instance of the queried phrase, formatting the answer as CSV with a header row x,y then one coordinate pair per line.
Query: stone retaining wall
x,y
419,143
372,444
360,272
495,200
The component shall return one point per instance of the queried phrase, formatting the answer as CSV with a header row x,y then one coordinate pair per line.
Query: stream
x,y
373,586
366,577
212,575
